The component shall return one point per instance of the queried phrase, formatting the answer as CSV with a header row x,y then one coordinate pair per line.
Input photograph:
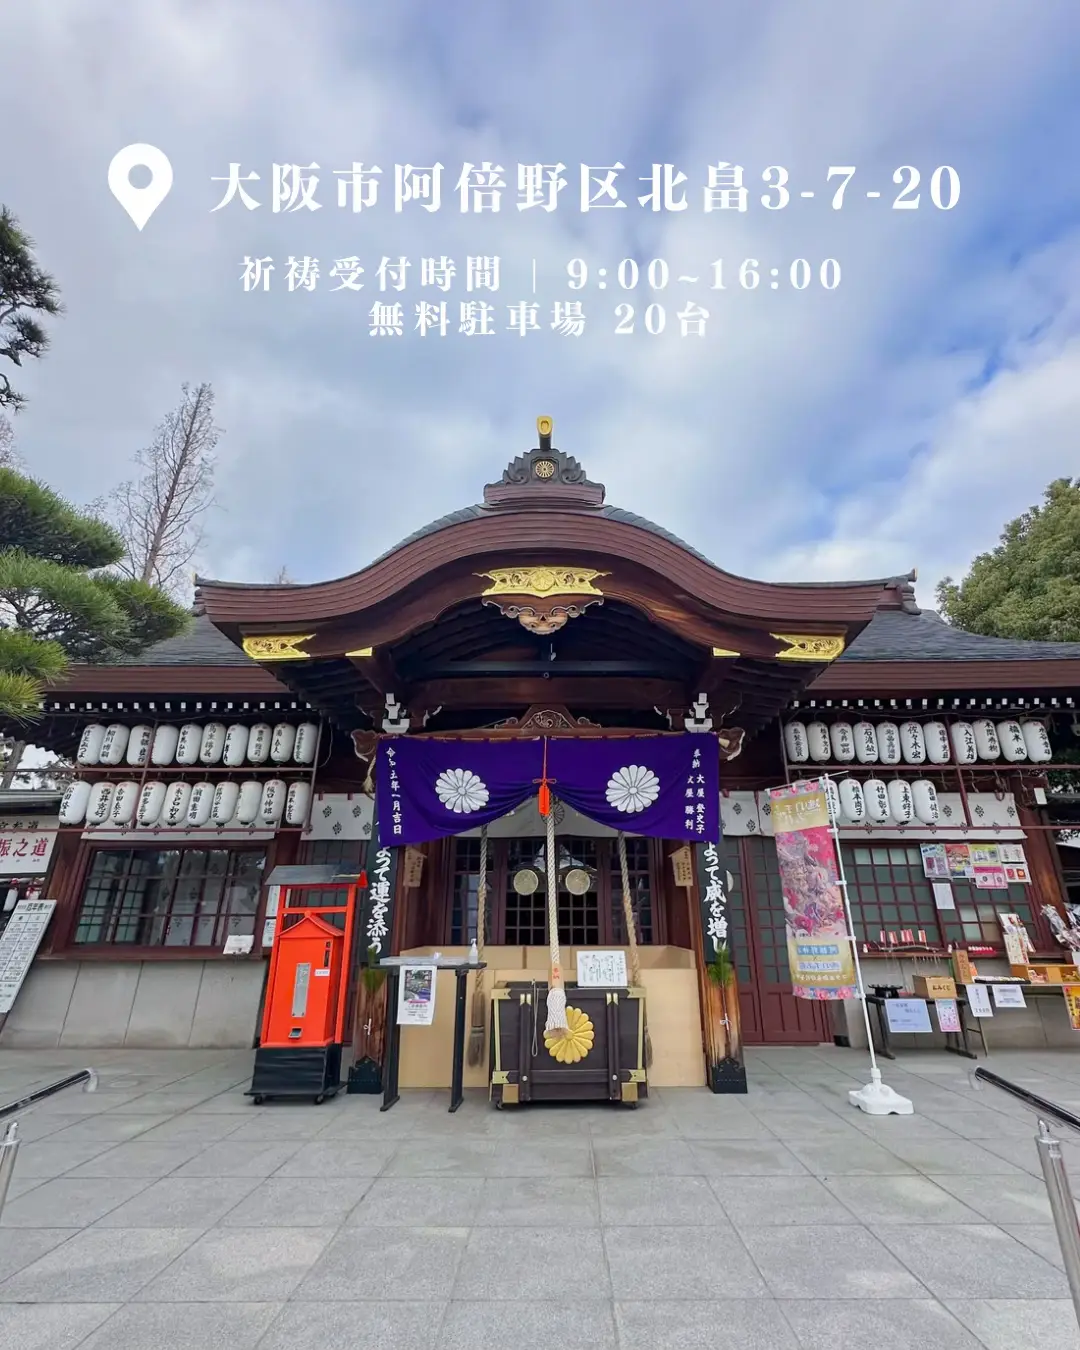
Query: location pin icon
x,y
140,202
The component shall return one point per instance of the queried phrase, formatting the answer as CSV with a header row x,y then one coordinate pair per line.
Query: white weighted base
x,y
878,1099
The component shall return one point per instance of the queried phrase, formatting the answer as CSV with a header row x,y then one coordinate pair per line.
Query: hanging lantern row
x,y
180,805
918,742
875,802
192,744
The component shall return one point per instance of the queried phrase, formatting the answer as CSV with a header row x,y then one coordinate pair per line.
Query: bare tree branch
x,y
283,578
159,512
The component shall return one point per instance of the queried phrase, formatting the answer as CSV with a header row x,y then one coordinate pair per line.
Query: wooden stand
x,y
523,1070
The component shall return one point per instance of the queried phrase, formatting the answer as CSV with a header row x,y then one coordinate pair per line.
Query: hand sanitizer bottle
x,y
474,955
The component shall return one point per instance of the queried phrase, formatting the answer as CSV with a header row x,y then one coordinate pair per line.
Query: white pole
x,y
876,1099
875,1073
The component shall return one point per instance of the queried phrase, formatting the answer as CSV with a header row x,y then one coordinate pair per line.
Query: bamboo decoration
x,y
478,1026
631,935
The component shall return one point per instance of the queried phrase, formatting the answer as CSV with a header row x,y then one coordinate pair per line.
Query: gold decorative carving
x,y
275,647
544,618
812,647
731,741
568,1047
542,581
539,718
362,651
724,651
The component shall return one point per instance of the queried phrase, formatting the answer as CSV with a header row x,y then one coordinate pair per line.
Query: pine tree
x,y
25,292
58,601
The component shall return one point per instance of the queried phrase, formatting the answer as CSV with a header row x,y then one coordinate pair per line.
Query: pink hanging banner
x,y
819,947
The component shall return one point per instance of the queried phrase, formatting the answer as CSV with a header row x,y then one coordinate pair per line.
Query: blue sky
x,y
895,421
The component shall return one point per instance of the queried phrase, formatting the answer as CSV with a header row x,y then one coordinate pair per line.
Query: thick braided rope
x,y
556,999
481,906
628,915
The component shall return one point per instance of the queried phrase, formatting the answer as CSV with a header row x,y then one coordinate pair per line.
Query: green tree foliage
x,y
1029,586
26,292
59,601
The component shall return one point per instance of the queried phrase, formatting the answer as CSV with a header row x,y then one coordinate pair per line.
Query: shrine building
x,y
546,620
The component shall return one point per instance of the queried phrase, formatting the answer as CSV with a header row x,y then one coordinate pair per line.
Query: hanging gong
x,y
577,881
526,881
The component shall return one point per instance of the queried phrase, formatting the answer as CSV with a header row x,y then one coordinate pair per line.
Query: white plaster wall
x,y
143,1004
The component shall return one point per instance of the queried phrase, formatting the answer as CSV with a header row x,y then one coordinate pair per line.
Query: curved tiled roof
x,y
893,635
476,512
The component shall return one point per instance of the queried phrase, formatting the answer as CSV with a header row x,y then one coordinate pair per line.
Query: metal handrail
x,y
1056,1178
9,1145
1030,1099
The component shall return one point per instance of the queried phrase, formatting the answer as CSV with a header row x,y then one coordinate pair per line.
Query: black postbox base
x,y
296,1071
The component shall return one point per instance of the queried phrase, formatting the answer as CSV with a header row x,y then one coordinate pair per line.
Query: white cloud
x,y
810,434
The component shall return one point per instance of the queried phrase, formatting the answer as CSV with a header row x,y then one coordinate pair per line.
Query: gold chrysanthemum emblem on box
x,y
568,1047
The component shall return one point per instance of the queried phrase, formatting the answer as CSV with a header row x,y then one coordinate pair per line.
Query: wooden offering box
x,y
602,1060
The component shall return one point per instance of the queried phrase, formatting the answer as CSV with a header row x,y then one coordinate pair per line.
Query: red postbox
x,y
300,1044
303,1000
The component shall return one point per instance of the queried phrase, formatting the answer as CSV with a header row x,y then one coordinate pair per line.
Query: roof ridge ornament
x,y
543,477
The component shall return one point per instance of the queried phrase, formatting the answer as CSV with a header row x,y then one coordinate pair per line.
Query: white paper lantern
x,y
852,803
212,743
832,799
282,742
924,799
151,802
986,738
202,798
1011,739
936,736
818,742
189,744
866,747
164,746
258,747
74,802
226,797
888,741
114,743
89,751
296,803
962,736
177,800
307,739
912,745
795,744
138,746
99,804
236,745
1037,740
842,742
876,798
248,803
125,799
272,805
901,806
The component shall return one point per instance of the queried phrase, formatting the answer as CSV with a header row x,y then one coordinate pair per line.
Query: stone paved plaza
x,y
165,1212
